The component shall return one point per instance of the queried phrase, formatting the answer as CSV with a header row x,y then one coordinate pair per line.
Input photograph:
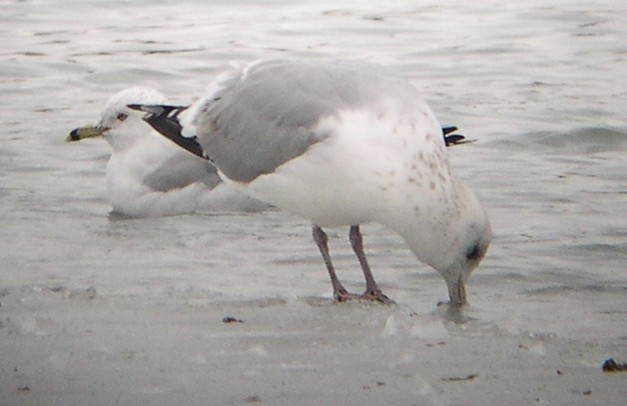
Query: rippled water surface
x,y
541,86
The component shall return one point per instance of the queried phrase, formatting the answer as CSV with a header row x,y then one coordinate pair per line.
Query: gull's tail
x,y
164,119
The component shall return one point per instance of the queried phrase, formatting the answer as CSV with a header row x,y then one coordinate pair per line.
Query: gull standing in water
x,y
149,176
341,144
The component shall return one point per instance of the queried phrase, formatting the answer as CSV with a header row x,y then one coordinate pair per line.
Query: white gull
x,y
341,144
149,176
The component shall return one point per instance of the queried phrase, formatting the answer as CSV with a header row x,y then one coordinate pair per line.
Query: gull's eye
x,y
122,117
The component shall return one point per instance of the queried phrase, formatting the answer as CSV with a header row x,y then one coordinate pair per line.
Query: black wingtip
x,y
135,107
164,119
448,130
453,139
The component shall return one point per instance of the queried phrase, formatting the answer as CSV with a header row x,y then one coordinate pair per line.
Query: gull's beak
x,y
457,292
88,131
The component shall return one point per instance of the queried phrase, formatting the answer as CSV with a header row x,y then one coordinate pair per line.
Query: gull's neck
x,y
441,219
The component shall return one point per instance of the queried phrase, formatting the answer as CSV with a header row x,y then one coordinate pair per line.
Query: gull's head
x,y
120,125
471,235
469,258
452,238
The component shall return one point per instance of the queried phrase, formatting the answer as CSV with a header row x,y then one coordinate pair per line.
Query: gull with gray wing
x,y
341,144
148,175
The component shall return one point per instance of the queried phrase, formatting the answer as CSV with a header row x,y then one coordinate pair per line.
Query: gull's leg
x,y
321,239
372,290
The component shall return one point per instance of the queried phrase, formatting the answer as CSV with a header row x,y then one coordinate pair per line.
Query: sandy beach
x,y
236,308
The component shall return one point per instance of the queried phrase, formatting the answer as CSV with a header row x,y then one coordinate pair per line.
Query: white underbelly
x,y
325,191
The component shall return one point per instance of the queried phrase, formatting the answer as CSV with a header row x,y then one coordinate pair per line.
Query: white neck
x,y
445,222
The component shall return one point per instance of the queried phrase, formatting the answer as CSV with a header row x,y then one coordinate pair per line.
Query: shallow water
x,y
541,86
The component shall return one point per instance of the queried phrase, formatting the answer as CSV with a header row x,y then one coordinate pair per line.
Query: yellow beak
x,y
88,131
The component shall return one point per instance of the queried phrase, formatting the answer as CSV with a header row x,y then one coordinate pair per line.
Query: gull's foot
x,y
343,295
377,296
373,296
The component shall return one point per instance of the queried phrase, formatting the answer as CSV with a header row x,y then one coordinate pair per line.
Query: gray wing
x,y
268,114
182,170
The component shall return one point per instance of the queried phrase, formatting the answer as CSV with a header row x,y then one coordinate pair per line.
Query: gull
x,y
149,176
340,143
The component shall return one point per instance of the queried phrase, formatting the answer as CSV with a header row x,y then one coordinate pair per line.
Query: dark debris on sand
x,y
612,366
231,319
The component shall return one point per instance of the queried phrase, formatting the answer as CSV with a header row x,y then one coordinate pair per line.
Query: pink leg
x,y
372,290
321,239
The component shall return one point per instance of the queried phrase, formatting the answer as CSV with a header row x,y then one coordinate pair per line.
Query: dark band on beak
x,y
74,135
88,131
